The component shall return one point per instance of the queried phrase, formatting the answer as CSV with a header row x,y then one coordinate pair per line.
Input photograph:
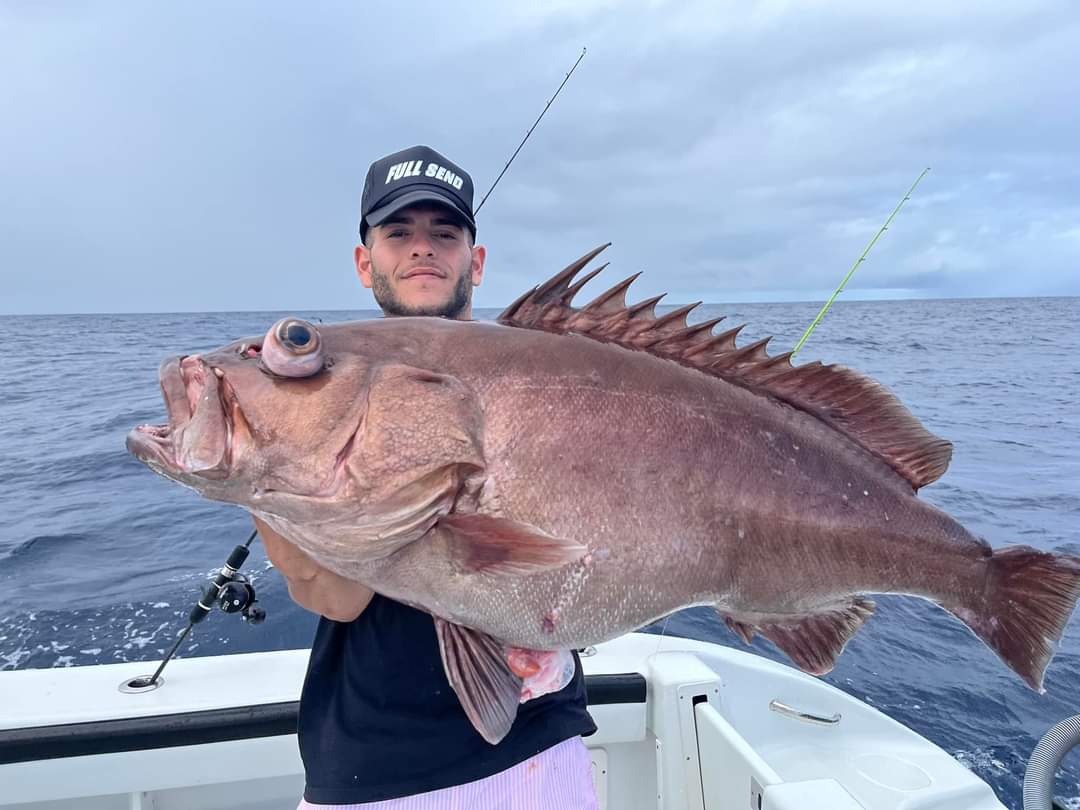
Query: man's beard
x,y
387,299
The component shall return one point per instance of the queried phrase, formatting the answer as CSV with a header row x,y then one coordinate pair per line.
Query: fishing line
x,y
663,631
855,267
530,131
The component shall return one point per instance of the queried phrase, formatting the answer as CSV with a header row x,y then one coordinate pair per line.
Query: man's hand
x,y
542,671
310,585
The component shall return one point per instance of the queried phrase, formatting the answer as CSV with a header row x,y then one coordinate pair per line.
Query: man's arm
x,y
321,591
310,585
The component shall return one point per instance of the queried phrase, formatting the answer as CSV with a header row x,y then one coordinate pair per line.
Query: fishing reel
x,y
231,591
238,596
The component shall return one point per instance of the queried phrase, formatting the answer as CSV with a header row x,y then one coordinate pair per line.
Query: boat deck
x,y
683,725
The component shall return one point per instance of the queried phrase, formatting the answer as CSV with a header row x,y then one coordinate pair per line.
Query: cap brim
x,y
420,195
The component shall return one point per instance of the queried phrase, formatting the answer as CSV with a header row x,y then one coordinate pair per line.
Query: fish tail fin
x,y
1029,598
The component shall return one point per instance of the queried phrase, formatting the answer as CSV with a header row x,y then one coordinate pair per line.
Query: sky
x,y
210,157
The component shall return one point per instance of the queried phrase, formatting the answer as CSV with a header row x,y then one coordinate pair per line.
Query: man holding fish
x,y
556,479
380,726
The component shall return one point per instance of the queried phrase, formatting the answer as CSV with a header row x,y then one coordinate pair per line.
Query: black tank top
x,y
378,719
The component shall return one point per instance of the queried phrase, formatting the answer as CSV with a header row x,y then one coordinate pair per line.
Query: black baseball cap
x,y
415,175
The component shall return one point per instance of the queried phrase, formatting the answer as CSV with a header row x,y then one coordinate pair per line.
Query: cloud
x,y
167,157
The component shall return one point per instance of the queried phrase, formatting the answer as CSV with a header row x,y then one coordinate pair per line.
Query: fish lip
x,y
152,445
182,386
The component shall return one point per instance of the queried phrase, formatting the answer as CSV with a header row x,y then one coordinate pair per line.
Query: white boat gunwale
x,y
203,726
699,735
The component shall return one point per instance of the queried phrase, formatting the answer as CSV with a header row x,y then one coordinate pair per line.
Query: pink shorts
x,y
559,778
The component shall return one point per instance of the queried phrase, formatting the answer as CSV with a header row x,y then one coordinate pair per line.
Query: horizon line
x,y
499,308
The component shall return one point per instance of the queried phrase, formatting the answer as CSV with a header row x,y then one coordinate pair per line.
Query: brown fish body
x,y
569,475
684,489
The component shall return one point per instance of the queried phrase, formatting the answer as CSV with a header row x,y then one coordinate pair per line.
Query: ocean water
x,y
100,560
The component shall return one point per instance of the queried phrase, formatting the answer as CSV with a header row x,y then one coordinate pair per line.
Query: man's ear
x,y
479,254
362,257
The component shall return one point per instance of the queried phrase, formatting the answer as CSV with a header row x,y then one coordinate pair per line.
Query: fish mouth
x,y
204,421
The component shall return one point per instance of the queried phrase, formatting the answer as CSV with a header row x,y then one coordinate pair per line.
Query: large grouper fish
x,y
566,475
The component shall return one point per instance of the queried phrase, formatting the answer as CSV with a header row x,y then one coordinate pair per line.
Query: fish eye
x,y
293,348
299,337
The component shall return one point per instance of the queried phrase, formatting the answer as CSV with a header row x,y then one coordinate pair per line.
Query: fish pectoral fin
x,y
813,641
477,668
498,545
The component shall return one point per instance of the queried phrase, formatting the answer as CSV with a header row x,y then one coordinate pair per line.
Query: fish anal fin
x,y
476,666
497,545
843,399
813,641
741,629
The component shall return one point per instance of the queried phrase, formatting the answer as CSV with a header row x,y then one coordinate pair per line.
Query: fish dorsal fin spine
x,y
842,398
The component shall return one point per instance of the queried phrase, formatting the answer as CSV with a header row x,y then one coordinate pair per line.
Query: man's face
x,y
420,262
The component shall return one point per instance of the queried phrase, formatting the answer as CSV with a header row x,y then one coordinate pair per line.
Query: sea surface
x,y
100,560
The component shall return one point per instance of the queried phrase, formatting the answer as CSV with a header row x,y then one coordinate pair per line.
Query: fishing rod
x,y
229,590
530,131
855,267
232,591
